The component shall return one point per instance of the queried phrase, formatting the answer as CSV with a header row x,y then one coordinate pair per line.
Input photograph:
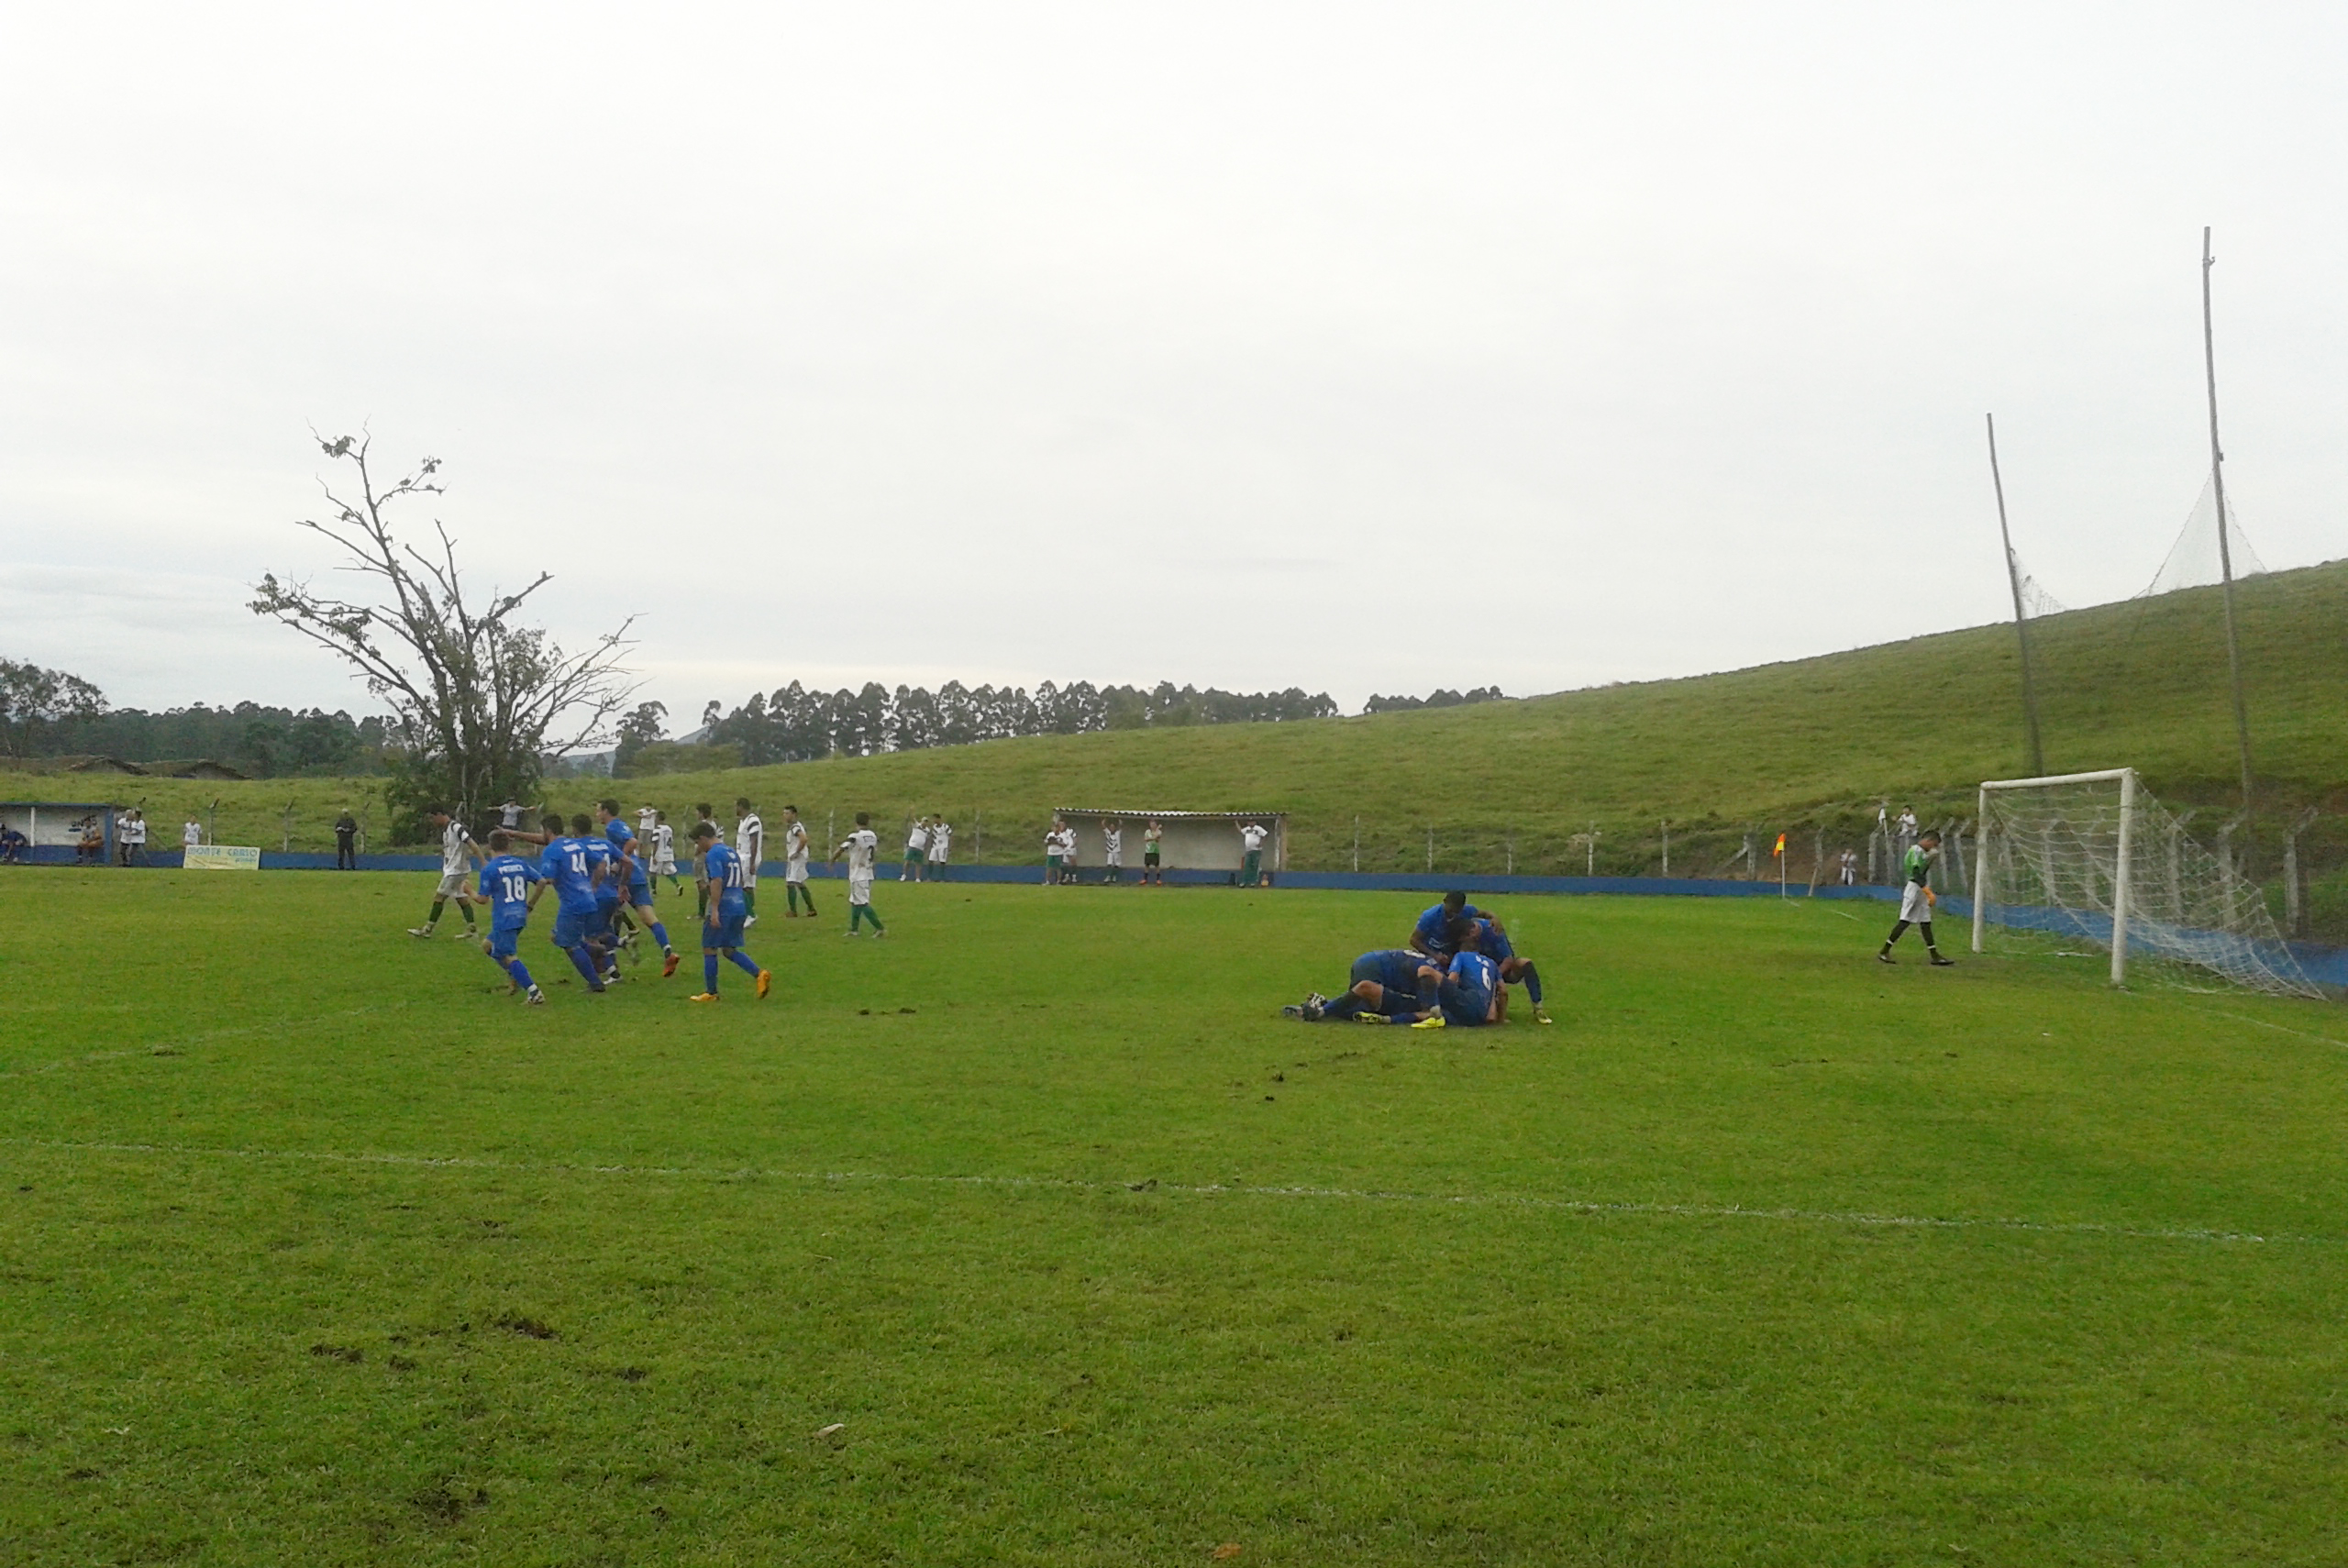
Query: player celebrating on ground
x,y
1492,941
458,852
728,906
564,867
1384,985
749,847
1433,932
1917,898
916,851
637,882
794,865
1466,989
860,846
505,879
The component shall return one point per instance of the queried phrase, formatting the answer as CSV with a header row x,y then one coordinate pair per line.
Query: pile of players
x,y
1455,975
600,876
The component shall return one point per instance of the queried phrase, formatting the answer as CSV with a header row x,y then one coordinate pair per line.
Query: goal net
x,y
2093,855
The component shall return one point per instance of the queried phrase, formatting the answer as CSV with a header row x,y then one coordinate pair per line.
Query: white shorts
x,y
451,884
665,867
794,870
749,873
1912,905
860,889
938,857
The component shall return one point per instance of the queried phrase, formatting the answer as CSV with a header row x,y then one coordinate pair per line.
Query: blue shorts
x,y
601,924
1465,1006
639,894
726,933
570,928
504,941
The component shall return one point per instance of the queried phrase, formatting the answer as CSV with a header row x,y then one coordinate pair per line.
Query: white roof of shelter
x,y
1164,816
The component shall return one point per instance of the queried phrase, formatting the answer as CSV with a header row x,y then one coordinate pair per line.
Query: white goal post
x,y
2126,778
2094,857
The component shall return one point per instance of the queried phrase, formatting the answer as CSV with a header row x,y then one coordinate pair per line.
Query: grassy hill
x,y
1806,746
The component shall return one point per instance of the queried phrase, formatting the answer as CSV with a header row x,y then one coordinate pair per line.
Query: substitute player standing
x,y
794,865
728,906
1112,850
860,848
750,847
1251,866
1916,901
1153,842
941,838
458,852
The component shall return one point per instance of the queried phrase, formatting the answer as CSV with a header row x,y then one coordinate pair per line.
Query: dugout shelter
x,y
1195,841
55,827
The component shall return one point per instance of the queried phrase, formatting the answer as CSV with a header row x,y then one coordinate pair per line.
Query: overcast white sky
x,y
1351,346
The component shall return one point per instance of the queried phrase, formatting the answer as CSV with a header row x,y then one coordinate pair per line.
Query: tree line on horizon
x,y
794,724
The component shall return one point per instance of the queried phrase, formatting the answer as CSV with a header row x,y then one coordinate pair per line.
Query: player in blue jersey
x,y
602,935
1433,935
505,883
1465,989
1384,985
722,879
1492,942
637,881
567,868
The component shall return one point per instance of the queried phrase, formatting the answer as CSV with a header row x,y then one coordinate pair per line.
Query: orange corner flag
x,y
1781,846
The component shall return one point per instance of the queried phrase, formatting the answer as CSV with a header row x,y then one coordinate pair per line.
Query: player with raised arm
x,y
794,865
564,867
1112,850
728,906
750,849
941,838
458,854
636,881
505,879
916,851
860,846
1251,856
1917,898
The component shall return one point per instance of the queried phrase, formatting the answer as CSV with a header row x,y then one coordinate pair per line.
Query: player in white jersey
x,y
794,865
916,851
664,851
860,846
750,844
1112,850
941,836
1251,859
458,852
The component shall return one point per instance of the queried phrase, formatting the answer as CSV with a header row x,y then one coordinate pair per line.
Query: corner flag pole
x,y
2013,581
2225,554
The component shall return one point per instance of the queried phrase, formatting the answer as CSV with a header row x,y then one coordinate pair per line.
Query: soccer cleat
x,y
880,934
1292,1010
705,996
669,967
1885,959
1941,963
537,997
1433,1021
1541,1015
1372,1018
419,931
766,983
749,920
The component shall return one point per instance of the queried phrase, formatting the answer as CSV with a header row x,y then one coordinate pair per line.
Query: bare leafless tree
x,y
479,701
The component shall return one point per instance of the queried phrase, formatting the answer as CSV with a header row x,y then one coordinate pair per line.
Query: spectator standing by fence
x,y
346,842
134,838
1112,850
191,835
941,837
1153,841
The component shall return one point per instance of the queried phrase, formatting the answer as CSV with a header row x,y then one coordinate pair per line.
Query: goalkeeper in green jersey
x,y
1917,898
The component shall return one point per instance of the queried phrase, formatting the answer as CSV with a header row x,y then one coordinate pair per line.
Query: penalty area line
x,y
1599,1208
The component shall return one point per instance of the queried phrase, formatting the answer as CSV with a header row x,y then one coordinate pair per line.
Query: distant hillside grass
x,y
1802,746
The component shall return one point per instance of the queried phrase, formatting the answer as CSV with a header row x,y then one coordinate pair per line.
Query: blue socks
x,y
750,966
661,935
1532,977
709,972
585,961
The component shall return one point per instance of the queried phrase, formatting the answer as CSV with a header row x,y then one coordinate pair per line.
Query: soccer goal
x,y
2093,855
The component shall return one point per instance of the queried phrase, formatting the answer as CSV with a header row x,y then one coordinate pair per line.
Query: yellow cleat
x,y
705,996
766,983
1433,1023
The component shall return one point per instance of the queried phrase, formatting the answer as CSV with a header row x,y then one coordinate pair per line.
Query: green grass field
x,y
1033,1235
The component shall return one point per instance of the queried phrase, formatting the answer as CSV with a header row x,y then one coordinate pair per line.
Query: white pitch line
x,y
1212,1189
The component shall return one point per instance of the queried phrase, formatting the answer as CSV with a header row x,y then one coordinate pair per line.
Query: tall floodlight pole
x,y
2022,628
2225,553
